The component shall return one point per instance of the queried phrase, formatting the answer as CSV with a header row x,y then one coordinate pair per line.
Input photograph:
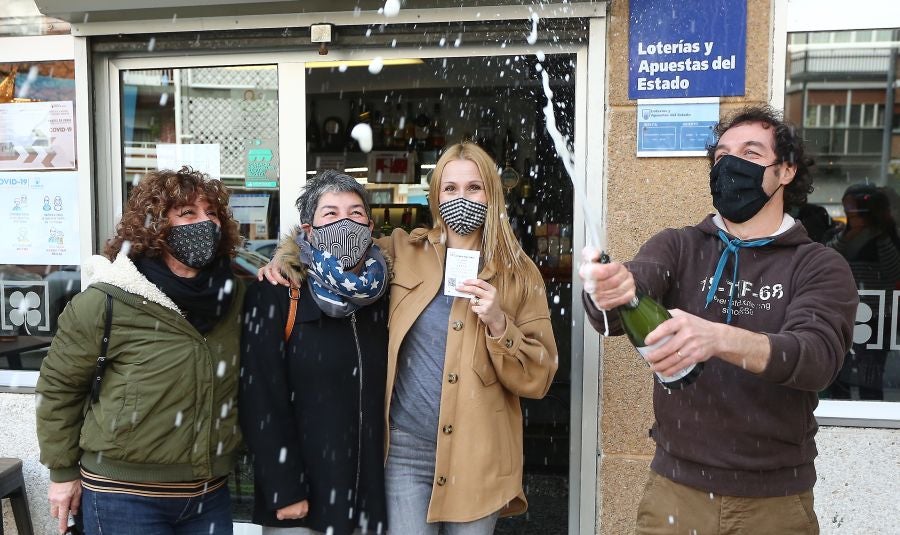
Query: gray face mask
x,y
195,245
462,215
345,239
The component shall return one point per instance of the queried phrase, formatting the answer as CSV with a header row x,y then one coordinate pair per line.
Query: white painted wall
x,y
858,491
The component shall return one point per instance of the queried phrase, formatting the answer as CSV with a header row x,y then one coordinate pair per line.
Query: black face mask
x,y
736,188
194,245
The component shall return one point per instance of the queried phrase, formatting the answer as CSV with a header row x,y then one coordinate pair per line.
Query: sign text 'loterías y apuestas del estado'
x,y
686,48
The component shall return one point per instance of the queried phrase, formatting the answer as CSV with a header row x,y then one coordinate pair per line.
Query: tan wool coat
x,y
479,457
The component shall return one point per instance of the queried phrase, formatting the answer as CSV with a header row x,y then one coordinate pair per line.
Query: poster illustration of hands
x,y
37,136
40,211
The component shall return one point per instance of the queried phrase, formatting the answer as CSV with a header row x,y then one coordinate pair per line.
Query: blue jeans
x,y
408,477
106,513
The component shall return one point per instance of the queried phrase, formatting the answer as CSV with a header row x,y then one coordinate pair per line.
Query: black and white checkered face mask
x,y
346,239
194,245
462,215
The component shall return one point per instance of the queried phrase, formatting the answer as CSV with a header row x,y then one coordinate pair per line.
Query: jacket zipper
x,y
359,433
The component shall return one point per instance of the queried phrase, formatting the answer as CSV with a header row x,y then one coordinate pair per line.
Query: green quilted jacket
x,y
168,404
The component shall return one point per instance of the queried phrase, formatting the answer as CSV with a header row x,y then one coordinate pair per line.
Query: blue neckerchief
x,y
339,293
731,247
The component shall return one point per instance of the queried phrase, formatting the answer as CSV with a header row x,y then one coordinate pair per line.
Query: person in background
x,y
457,366
311,399
769,312
144,444
818,224
870,243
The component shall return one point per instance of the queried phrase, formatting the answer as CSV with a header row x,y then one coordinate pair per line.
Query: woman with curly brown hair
x,y
141,438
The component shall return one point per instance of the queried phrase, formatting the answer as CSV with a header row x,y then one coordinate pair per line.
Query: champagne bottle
x,y
406,220
436,139
386,226
313,137
639,317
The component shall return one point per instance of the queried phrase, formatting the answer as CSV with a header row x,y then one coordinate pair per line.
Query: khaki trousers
x,y
668,508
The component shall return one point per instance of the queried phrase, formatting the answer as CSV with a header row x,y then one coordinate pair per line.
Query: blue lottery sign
x,y
686,48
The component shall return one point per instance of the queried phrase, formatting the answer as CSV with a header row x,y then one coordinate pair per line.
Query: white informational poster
x,y
252,208
200,157
676,126
40,213
37,135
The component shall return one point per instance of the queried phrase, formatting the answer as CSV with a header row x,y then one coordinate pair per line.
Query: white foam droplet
x,y
376,65
391,8
282,456
532,37
220,371
178,418
362,133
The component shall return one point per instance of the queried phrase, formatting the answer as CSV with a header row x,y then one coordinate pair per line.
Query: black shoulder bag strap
x,y
104,346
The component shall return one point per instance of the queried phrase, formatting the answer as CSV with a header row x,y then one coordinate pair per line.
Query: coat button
x,y
452,378
508,343
441,481
457,325
448,429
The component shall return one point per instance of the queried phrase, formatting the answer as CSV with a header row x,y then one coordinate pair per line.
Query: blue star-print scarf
x,y
340,293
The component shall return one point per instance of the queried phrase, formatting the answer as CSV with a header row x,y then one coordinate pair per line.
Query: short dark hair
x,y
328,181
789,147
145,221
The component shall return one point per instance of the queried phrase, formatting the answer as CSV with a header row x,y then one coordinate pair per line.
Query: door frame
x,y
589,153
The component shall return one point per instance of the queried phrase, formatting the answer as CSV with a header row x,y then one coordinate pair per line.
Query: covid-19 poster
x,y
40,213
37,135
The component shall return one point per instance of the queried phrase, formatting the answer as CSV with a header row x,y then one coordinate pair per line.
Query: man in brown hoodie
x,y
767,311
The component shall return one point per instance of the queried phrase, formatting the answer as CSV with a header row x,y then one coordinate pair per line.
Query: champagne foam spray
x,y
559,143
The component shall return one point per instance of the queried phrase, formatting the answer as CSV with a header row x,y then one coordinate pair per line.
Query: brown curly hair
x,y
145,225
789,147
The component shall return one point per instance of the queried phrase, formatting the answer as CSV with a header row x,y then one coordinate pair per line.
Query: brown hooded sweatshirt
x,y
734,432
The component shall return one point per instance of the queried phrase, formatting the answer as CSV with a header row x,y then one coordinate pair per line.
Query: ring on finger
x,y
476,301
680,356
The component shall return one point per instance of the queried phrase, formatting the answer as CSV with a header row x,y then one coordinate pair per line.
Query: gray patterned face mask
x,y
346,240
195,245
462,215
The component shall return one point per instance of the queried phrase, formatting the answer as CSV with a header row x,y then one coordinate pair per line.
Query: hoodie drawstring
x,y
731,247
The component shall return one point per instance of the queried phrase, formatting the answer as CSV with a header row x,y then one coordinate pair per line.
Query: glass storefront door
x,y
417,106
247,121
220,120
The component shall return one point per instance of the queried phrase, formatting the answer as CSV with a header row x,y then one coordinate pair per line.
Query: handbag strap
x,y
104,347
294,293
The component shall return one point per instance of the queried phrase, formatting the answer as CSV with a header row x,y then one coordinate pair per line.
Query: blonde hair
x,y
499,245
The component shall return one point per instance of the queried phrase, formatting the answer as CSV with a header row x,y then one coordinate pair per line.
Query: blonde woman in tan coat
x,y
458,366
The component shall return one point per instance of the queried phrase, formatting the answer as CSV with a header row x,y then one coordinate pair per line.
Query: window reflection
x,y
219,120
841,87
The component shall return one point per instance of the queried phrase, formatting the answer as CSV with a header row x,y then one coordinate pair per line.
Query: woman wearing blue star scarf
x,y
458,366
312,387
